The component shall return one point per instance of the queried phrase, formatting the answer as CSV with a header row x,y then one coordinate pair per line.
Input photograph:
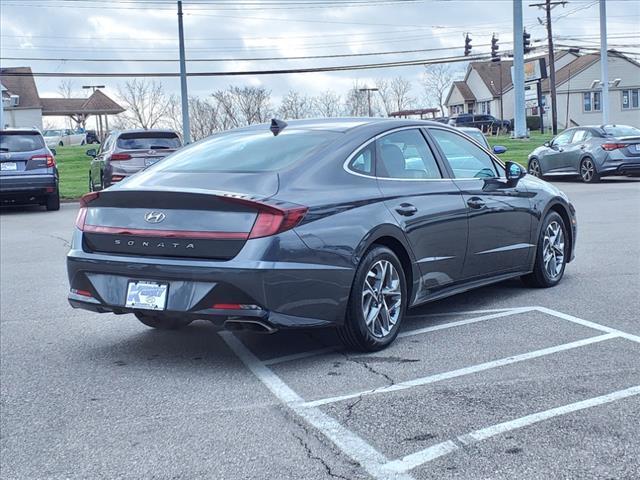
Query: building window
x,y
485,107
630,98
591,101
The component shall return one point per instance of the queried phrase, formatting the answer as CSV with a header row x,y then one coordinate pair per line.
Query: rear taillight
x,y
120,156
271,221
51,162
613,146
116,178
82,213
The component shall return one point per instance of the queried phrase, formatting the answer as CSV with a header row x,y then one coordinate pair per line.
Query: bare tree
x,y
240,106
356,101
401,94
66,88
437,80
295,105
384,90
327,104
145,102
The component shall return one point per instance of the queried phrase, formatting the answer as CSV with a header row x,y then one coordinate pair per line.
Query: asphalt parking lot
x,y
503,382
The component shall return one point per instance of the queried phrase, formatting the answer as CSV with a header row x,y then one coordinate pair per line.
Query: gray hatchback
x,y
126,152
591,152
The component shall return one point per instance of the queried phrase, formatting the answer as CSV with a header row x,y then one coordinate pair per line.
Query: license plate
x,y
8,166
150,161
147,295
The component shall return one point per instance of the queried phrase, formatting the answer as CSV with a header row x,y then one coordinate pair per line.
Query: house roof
x,y
494,74
464,90
97,104
23,85
571,69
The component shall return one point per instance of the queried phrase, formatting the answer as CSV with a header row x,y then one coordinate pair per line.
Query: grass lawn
x,y
518,150
73,163
73,167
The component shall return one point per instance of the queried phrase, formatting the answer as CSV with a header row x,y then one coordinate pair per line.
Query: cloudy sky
x,y
64,31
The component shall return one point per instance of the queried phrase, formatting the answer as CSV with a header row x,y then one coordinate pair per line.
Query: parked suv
x,y
483,122
28,172
126,152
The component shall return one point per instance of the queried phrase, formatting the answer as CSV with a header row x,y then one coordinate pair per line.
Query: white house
x,y
22,106
487,88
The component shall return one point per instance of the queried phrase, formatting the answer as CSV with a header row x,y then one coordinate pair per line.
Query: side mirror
x,y
53,151
514,172
547,144
92,152
499,149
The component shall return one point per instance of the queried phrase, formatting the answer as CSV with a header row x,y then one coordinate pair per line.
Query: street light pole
x,y
186,129
520,121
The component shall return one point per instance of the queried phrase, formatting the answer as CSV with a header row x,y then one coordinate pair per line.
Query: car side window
x,y
406,154
467,160
563,139
363,161
581,136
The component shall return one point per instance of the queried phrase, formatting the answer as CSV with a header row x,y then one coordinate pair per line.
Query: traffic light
x,y
526,37
467,45
494,49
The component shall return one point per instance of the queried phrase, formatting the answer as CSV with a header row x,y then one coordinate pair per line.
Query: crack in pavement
x,y
365,364
350,408
63,240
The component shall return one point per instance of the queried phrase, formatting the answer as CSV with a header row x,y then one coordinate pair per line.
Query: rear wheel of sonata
x,y
53,202
551,253
377,302
162,322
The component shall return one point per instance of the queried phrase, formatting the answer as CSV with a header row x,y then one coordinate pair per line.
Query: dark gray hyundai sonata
x,y
336,222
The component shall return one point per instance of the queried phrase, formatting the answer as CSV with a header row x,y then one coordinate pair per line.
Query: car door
x,y
499,213
556,158
425,203
579,146
66,137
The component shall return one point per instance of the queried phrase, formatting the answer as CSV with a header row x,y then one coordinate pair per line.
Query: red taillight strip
x,y
51,162
166,233
613,146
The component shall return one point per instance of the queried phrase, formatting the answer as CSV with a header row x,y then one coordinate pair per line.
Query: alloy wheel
x,y
381,298
587,170
553,250
534,168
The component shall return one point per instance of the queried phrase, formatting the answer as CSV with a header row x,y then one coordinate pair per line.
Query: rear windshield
x,y
621,131
247,151
148,140
20,142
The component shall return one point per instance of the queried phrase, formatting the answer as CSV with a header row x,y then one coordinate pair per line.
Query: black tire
x,y
161,322
53,202
82,143
354,333
534,168
60,144
588,172
540,276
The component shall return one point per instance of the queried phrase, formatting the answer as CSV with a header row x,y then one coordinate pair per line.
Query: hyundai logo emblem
x,y
154,217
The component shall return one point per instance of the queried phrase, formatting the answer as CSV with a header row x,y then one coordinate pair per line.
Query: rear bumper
x,y
285,294
26,187
622,166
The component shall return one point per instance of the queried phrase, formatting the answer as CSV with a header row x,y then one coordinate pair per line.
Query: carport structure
x,y
80,109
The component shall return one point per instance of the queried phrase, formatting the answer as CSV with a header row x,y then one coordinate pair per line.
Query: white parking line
x,y
348,442
463,371
468,321
464,312
413,460
496,313
587,323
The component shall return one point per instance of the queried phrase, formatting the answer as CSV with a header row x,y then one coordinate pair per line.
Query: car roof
x,y
142,130
30,131
469,129
346,124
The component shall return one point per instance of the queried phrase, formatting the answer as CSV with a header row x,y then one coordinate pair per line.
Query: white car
x,y
64,137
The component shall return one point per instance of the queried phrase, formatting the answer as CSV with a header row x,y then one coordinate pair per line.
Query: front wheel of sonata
x,y
162,322
377,303
534,168
551,253
588,172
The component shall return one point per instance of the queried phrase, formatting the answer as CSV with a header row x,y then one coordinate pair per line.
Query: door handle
x,y
475,202
406,209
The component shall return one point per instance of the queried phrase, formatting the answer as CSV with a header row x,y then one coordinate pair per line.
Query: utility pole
x,y
1,107
520,120
186,129
604,63
548,5
368,90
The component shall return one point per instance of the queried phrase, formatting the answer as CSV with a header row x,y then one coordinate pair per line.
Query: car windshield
x,y
52,133
621,131
148,141
247,151
20,142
